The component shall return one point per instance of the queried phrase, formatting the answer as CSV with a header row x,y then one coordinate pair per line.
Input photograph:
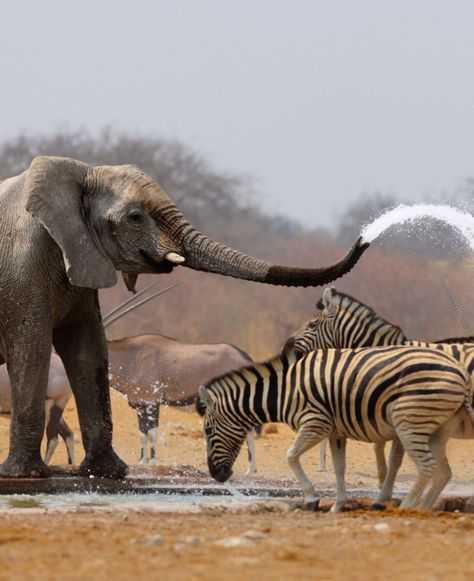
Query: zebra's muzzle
x,y
219,473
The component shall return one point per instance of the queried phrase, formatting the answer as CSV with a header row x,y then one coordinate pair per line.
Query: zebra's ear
x,y
205,398
328,296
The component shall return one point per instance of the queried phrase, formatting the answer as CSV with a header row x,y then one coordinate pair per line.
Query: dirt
x,y
246,540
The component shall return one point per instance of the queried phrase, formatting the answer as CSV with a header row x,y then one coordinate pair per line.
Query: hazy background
x,y
278,127
319,101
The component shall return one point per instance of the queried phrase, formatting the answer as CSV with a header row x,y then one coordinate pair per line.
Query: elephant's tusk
x,y
175,258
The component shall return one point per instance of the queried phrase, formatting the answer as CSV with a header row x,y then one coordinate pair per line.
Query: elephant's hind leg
x,y
28,366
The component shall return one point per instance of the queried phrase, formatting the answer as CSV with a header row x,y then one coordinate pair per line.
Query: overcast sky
x,y
318,100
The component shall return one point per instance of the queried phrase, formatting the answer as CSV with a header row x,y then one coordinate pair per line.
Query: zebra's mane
x,y
469,339
270,363
370,310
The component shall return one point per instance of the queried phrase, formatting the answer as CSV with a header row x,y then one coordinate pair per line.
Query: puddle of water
x,y
76,500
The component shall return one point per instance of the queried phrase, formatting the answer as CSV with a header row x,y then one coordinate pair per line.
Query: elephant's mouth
x,y
157,267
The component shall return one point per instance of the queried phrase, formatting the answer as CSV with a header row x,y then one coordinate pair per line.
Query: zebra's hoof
x,y
311,506
377,506
250,475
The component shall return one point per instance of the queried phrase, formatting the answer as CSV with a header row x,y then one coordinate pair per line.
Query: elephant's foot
x,y
19,467
104,465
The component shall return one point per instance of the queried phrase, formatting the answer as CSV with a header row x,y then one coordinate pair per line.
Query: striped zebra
x,y
343,321
373,395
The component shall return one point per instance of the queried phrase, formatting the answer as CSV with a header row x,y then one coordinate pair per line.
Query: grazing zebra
x,y
376,394
346,322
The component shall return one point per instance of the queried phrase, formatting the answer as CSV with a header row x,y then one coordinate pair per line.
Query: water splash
x,y
233,491
461,221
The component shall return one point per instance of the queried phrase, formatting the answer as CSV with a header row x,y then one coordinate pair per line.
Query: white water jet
x,y
461,221
233,490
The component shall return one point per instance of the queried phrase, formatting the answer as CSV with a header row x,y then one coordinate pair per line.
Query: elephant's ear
x,y
54,196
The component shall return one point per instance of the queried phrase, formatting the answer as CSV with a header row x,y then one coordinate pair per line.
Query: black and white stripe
x,y
371,395
343,321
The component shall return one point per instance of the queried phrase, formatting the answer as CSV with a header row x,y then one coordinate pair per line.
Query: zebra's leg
x,y
394,463
417,446
323,446
258,430
68,436
306,439
442,473
338,453
379,449
53,415
252,466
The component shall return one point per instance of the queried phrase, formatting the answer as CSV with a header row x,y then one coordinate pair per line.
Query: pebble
x,y
243,540
179,547
381,527
149,540
254,535
231,542
194,539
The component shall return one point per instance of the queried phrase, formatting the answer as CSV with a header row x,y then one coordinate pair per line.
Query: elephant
x,y
66,228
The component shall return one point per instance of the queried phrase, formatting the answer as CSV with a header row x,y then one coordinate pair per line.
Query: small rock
x,y
382,527
231,542
194,539
254,535
149,540
125,517
179,547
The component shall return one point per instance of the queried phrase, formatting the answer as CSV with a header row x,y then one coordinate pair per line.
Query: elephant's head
x,y
110,218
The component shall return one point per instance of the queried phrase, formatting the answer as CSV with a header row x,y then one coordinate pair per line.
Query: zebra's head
x,y
224,434
343,322
318,331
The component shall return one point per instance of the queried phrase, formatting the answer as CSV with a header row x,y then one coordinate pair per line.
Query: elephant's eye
x,y
136,217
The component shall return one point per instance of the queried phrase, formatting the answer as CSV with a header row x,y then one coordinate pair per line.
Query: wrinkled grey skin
x,y
65,229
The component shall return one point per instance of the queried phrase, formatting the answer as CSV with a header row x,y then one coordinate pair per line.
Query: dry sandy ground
x,y
244,541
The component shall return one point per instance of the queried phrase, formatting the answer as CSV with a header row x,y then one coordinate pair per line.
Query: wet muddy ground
x,y
235,539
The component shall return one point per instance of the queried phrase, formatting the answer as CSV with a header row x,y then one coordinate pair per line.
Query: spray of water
x,y
233,490
463,222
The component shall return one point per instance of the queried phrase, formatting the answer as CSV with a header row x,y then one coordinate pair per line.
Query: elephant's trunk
x,y
201,253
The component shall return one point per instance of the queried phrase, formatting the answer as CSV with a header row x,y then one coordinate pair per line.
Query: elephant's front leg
x,y
28,366
82,347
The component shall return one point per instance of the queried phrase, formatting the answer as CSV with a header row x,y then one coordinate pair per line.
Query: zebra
x,y
418,395
343,321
